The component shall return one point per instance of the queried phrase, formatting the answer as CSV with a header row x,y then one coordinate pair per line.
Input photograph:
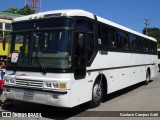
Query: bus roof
x,y
78,12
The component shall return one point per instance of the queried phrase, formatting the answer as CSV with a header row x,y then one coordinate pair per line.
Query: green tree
x,y
26,10
154,32
12,10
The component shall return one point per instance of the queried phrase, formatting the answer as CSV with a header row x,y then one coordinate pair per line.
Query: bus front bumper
x,y
41,96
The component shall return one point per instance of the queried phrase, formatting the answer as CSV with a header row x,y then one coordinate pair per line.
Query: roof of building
x,y
9,16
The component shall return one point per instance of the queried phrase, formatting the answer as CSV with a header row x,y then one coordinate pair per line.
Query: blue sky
x,y
129,13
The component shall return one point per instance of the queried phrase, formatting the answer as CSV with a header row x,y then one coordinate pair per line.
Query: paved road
x,y
136,98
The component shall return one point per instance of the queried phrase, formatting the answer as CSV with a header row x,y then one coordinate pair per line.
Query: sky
x,y
129,13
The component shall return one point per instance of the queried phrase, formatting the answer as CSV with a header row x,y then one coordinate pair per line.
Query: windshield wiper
x,y
43,68
39,56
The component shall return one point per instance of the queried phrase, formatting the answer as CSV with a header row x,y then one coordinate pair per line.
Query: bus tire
x,y
148,77
97,94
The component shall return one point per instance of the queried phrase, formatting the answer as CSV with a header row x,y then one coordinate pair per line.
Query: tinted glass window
x,y
132,42
1,26
158,54
155,47
90,45
125,41
84,25
137,43
52,41
152,46
112,39
141,44
7,26
149,46
0,37
105,35
119,39
145,45
48,48
122,40
88,27
39,24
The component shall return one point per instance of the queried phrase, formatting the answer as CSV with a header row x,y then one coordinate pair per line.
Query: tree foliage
x,y
12,10
26,10
153,32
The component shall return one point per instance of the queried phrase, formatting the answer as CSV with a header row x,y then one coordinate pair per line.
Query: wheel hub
x,y
97,92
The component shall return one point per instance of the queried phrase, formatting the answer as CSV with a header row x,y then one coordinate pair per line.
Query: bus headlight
x,y
11,81
55,85
49,85
7,81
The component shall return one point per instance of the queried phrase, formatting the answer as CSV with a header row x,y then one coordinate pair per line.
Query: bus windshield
x,y
50,48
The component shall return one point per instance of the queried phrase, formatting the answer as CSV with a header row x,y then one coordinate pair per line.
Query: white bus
x,y
69,57
158,59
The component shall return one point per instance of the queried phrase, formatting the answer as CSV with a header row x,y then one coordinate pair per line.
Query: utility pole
x,y
147,23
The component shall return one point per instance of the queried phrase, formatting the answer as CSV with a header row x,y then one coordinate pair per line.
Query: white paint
x,y
80,91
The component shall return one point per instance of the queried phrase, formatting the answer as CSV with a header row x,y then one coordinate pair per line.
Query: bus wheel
x,y
147,78
97,95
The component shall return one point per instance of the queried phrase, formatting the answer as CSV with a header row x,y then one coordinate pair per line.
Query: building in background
x,y
5,28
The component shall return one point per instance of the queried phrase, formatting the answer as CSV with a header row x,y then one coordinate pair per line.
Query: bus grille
x,y
29,83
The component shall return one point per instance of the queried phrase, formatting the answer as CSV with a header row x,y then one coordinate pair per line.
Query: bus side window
x,y
155,48
144,45
105,34
80,50
125,41
137,44
90,45
87,27
119,39
112,42
158,54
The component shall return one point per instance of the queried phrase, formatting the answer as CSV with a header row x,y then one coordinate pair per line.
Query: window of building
x,y
7,26
1,26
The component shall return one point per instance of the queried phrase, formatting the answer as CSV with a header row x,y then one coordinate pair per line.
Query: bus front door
x,y
79,55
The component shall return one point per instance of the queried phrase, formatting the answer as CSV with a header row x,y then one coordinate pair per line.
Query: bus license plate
x,y
28,94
